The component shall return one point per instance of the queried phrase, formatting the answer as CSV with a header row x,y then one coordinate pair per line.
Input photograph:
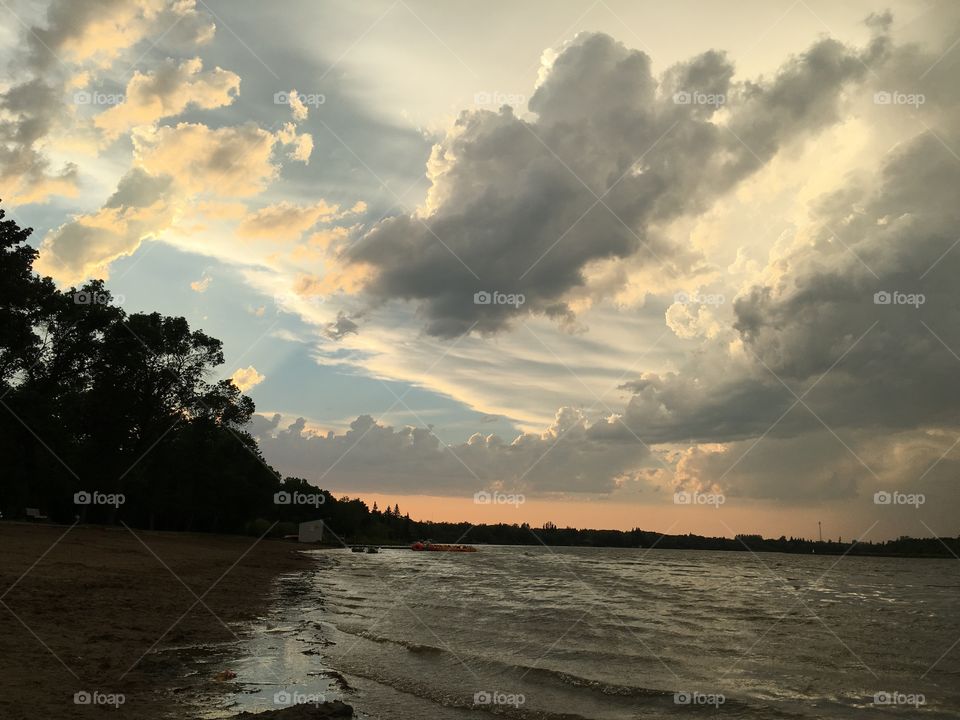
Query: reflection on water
x,y
279,660
606,633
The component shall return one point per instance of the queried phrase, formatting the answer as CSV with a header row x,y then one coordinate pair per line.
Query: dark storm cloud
x,y
522,207
27,114
868,301
566,457
139,189
342,326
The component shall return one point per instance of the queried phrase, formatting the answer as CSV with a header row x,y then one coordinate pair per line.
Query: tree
x,y
96,400
24,298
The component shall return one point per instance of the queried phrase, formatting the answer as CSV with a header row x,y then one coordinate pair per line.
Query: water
x,y
616,634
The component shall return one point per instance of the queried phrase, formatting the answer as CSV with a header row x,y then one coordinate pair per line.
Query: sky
x,y
684,266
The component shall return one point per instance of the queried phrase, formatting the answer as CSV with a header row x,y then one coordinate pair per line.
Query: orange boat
x,y
438,547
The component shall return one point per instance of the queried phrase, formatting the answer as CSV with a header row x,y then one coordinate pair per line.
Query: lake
x,y
532,632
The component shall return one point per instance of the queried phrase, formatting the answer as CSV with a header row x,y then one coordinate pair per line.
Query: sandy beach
x,y
90,610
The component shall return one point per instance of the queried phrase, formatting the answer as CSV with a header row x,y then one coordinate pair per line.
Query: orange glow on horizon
x,y
769,521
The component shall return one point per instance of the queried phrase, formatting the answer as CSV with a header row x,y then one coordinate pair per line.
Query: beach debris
x,y
224,675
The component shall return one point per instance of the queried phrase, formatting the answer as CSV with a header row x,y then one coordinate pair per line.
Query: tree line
x,y
109,417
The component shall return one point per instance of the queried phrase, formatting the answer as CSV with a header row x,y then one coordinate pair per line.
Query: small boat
x,y
373,550
356,548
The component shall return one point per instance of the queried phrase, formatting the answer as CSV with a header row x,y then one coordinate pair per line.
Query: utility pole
x,y
820,527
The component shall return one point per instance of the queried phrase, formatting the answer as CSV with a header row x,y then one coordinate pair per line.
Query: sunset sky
x,y
697,204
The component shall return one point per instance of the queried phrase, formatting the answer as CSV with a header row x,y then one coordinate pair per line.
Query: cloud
x,y
286,221
565,457
342,326
97,32
28,113
836,375
86,246
814,313
220,210
297,106
525,206
814,468
301,145
166,92
76,38
173,165
140,208
201,285
228,161
247,378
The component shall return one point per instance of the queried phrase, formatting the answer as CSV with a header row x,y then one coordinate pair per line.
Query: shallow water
x,y
606,633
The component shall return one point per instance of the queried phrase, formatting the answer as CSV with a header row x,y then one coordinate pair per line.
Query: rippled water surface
x,y
604,633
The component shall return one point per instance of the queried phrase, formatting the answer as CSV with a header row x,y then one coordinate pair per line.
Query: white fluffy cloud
x,y
173,166
97,32
228,161
286,220
247,378
142,207
166,92
61,55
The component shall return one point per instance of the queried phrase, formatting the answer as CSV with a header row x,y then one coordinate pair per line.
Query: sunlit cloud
x,y
247,378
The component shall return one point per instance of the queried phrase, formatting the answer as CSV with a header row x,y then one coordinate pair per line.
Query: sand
x,y
95,606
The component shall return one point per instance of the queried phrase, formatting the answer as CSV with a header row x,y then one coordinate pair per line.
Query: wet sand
x,y
97,611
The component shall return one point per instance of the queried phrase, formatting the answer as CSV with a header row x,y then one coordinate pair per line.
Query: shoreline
x,y
767,551
112,616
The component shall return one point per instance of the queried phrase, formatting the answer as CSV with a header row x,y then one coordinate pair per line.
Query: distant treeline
x,y
111,417
399,529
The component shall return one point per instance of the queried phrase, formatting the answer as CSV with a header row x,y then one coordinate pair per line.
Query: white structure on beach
x,y
311,531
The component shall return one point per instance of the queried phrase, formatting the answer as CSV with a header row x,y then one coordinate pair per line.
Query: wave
x,y
600,686
412,647
552,687
502,667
